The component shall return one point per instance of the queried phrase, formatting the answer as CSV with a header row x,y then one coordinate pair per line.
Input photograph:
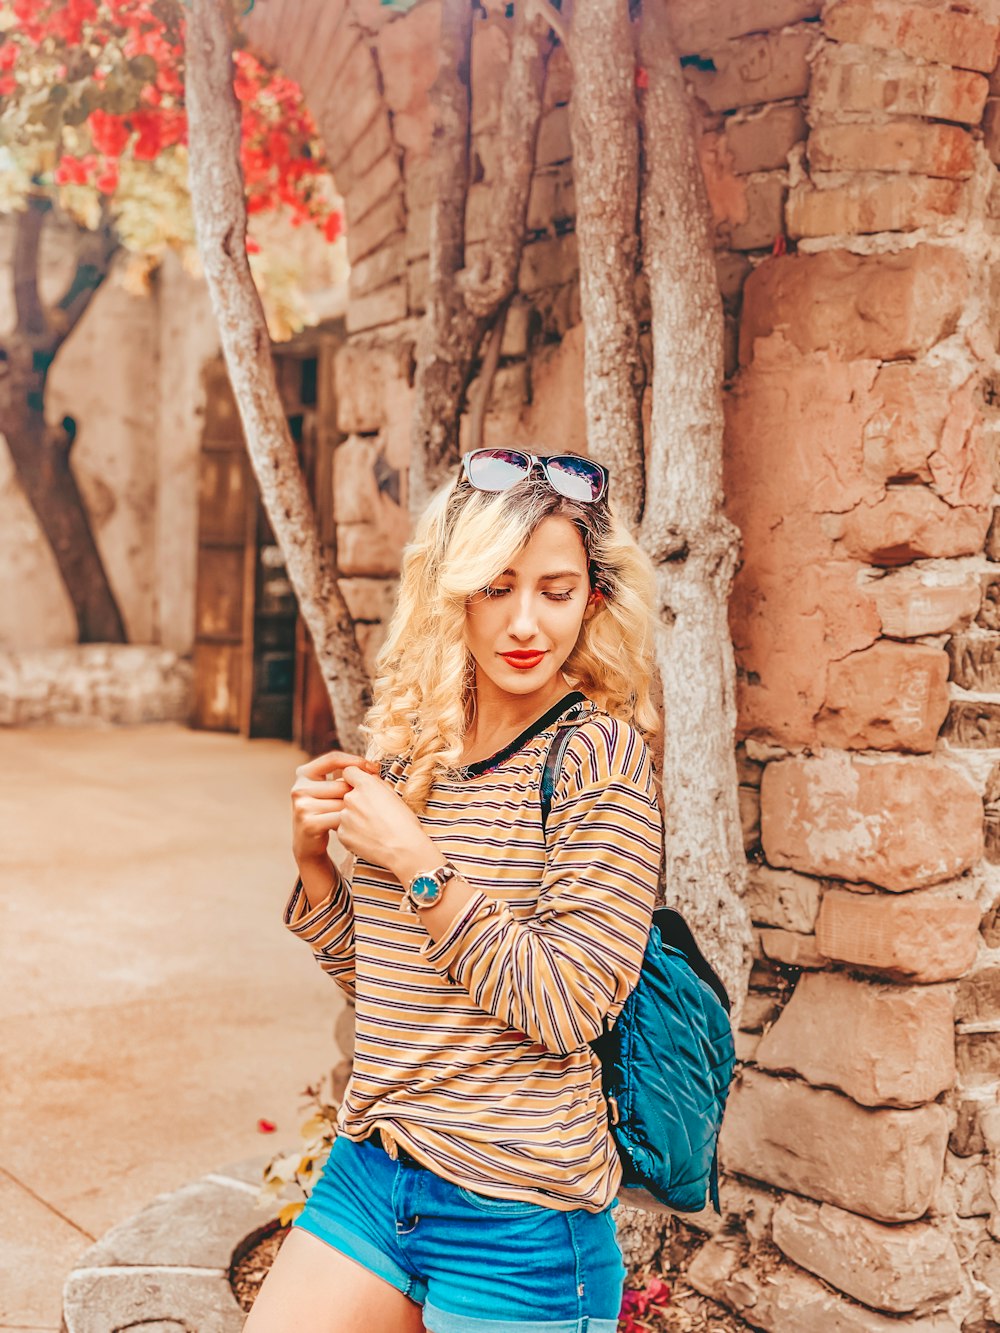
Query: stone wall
x,y
850,150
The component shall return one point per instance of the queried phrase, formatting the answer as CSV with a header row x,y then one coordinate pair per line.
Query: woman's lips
x,y
523,661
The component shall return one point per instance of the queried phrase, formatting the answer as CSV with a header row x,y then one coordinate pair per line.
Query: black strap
x,y
553,765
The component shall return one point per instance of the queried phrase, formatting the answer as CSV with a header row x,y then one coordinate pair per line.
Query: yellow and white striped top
x,y
472,1052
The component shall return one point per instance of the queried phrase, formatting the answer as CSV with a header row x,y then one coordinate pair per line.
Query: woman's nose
x,y
524,617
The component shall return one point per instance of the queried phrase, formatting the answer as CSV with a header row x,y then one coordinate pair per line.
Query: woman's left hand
x,y
376,823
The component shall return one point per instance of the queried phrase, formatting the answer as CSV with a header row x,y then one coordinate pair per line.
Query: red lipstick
x,y
523,661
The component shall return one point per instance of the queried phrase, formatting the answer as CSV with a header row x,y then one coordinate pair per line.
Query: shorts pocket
x,y
485,1203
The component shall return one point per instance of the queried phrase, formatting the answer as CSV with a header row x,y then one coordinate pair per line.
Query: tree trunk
x,y
41,453
464,302
605,138
685,531
41,457
220,219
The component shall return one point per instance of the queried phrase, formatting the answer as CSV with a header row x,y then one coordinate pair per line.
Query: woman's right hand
x,y
317,796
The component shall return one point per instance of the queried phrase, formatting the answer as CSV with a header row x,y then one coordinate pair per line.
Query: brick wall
x,y
850,151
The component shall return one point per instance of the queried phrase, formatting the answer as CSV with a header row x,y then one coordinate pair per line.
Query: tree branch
x,y
555,19
493,276
27,239
220,220
94,252
605,138
487,373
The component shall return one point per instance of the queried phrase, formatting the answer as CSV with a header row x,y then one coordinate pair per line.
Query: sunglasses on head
x,y
499,469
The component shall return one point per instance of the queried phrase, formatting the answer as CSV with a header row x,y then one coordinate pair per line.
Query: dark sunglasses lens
x,y
576,478
497,469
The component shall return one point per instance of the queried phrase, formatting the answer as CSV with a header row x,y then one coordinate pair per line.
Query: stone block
x,y
988,616
966,1138
381,222
888,307
355,490
195,1226
369,601
365,380
94,1302
913,601
978,1056
991,129
700,25
373,549
417,281
782,898
744,1045
921,937
387,305
383,266
922,147
868,204
551,199
975,661
749,801
973,725
764,216
790,948
373,145
911,522
890,83
899,823
886,1164
946,36
762,140
548,263
977,998
781,1298
381,178
881,1044
765,67
553,144
759,1011
891,696
490,58
991,547
901,1269
408,55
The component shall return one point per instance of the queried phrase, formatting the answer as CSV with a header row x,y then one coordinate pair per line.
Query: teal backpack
x,y
668,1061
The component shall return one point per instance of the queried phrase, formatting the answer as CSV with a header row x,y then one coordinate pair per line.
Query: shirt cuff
x,y
445,955
310,923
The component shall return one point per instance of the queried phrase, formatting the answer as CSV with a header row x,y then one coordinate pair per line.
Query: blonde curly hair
x,y
424,687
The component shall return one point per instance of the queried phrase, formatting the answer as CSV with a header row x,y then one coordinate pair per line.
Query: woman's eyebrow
x,y
561,574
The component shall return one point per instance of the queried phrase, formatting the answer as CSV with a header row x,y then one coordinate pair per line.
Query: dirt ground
x,y
152,1008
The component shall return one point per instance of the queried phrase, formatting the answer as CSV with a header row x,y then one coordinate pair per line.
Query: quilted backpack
x,y
668,1061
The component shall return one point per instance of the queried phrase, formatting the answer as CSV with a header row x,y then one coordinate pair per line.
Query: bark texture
x,y
605,138
684,529
40,452
463,302
220,219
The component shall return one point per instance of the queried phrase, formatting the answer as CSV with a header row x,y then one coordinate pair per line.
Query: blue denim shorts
x,y
476,1264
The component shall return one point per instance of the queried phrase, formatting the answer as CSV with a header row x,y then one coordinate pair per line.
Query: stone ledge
x,y
118,684
168,1265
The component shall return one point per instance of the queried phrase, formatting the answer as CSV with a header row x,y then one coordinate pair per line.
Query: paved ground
x,y
152,1005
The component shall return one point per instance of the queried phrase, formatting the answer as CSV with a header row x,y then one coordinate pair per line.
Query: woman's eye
x,y
558,596
494,592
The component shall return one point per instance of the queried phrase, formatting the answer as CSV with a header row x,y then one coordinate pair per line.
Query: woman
x,y
472,1183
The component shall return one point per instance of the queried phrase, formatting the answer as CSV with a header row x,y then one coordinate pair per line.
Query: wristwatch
x,y
427,889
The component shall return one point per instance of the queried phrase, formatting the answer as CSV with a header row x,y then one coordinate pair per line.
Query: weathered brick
x,y
973,725
762,140
899,823
381,222
913,601
790,948
926,148
408,55
751,70
749,802
382,178
782,898
922,937
944,35
977,997
902,1269
883,306
912,523
366,382
978,1055
490,58
975,662
884,1163
553,144
382,266
991,129
548,263
881,1044
699,25
782,1298
763,219
891,696
991,547
887,82
866,205
387,305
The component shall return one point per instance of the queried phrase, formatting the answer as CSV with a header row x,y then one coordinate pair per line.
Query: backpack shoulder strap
x,y
553,766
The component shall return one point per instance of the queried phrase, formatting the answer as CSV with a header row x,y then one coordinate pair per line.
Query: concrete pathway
x,y
152,1005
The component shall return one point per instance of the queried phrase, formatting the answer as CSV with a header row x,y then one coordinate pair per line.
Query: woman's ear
x,y
594,602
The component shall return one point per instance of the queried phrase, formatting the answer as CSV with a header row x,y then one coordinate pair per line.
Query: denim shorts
x,y
476,1264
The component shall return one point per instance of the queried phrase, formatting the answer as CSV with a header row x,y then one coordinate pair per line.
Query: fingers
x,y
323,791
335,761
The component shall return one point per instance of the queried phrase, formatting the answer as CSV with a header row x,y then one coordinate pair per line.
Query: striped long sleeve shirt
x,y
472,1052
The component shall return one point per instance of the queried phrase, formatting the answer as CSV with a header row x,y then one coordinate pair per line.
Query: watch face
x,y
425,890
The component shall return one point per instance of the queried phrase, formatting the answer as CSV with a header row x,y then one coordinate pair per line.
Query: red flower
x,y
109,133
266,1126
